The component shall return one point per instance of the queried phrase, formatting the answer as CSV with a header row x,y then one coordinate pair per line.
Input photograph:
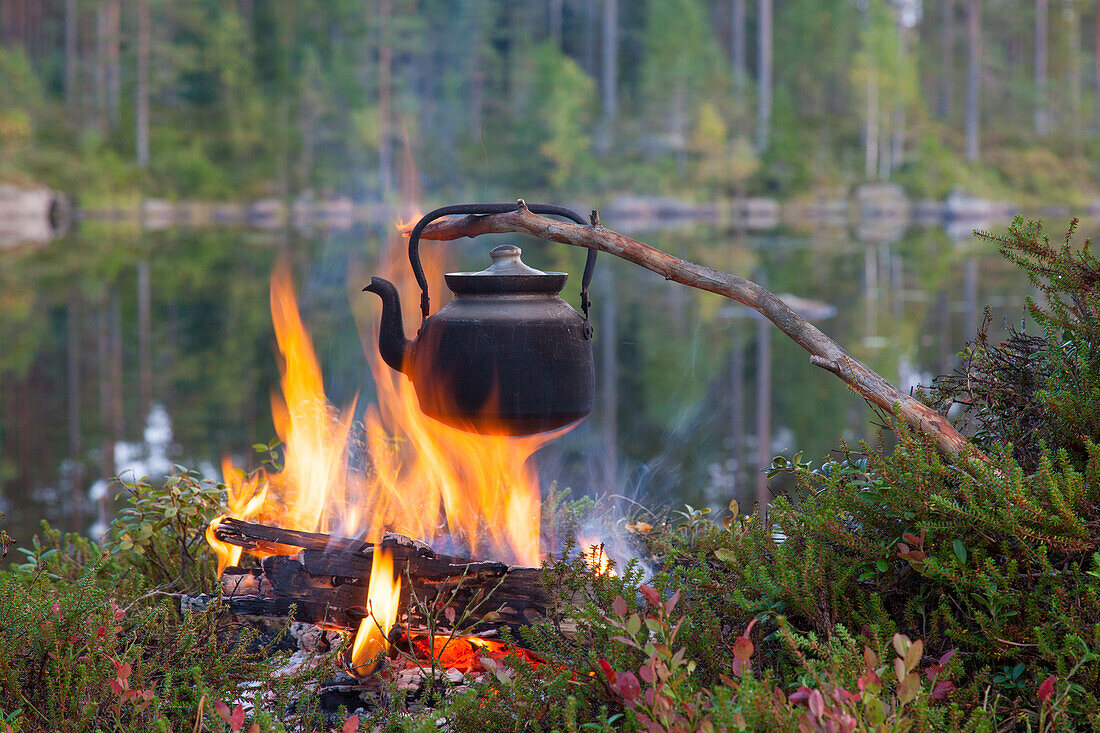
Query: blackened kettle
x,y
506,356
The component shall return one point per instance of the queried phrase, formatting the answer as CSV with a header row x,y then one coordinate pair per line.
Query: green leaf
x,y
725,555
960,550
882,565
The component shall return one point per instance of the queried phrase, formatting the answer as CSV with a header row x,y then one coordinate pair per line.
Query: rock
x,y
31,215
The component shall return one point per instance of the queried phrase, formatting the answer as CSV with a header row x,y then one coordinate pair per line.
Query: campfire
x,y
347,537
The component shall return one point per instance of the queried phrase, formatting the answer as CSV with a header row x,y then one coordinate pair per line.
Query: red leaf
x,y
619,606
947,657
816,704
738,668
608,672
351,725
628,686
800,697
942,690
651,594
101,632
116,687
742,649
672,601
222,710
911,539
236,720
1046,690
123,671
647,675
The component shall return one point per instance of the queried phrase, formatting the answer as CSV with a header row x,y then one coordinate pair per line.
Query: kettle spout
x,y
392,344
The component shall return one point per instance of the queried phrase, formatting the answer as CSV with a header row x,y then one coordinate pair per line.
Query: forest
x,y
691,98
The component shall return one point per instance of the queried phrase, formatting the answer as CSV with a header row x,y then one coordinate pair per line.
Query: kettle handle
x,y
414,243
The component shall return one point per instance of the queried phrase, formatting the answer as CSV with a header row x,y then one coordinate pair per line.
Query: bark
x,y
385,69
113,66
1071,12
556,13
824,352
145,359
141,114
764,76
608,342
973,78
76,443
326,577
609,71
947,42
71,26
1042,119
737,45
1096,70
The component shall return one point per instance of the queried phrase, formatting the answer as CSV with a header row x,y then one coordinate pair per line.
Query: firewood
x,y
326,581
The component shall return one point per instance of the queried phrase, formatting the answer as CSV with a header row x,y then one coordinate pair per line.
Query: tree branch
x,y
824,352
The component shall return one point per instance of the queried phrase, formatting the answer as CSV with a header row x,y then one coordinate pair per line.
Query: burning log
x,y
824,352
323,580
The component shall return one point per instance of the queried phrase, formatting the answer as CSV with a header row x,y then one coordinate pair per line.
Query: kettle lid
x,y
507,274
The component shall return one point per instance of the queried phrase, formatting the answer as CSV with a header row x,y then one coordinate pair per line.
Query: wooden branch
x,y
824,352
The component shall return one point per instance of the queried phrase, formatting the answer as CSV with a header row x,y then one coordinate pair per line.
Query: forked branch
x,y
824,352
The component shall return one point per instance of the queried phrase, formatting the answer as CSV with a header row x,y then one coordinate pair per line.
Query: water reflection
x,y
101,327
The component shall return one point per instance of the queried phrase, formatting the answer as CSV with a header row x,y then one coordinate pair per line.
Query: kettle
x,y
506,356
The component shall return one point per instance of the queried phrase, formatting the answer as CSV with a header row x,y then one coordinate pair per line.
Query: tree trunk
x,y
870,131
590,37
385,69
737,45
1096,71
556,13
76,443
608,341
947,69
101,32
1071,12
145,358
71,28
114,60
141,112
610,67
1042,116
763,414
973,78
764,76
897,138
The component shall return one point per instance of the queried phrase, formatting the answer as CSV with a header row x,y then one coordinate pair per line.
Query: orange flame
x,y
424,478
595,557
383,596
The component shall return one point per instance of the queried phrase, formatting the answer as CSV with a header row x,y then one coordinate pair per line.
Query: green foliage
x,y
162,529
1032,391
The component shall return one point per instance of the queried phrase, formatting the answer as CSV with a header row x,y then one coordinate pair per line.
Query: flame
x,y
383,596
595,556
423,478
313,487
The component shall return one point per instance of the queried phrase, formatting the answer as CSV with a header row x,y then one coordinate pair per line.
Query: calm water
x,y
145,349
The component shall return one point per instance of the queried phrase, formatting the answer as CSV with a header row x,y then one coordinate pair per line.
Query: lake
x,y
146,349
